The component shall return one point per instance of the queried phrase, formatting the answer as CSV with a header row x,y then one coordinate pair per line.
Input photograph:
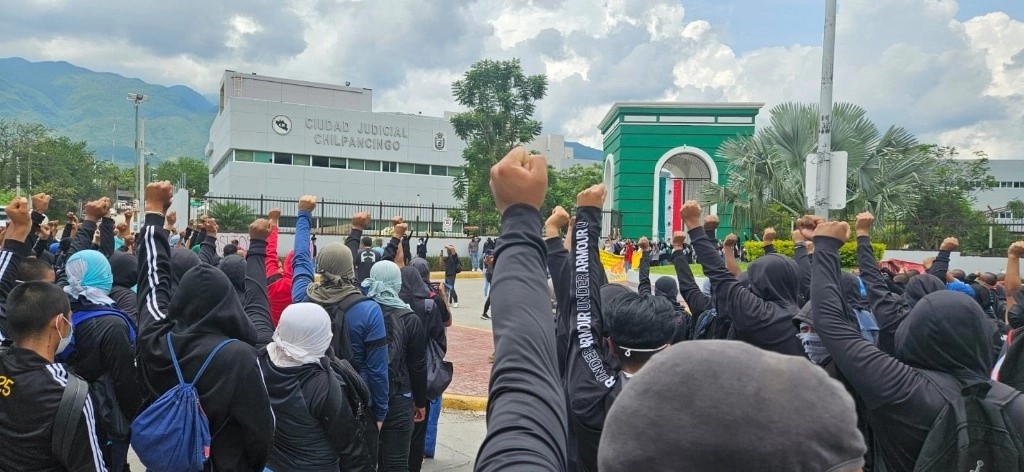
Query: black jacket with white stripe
x,y
30,391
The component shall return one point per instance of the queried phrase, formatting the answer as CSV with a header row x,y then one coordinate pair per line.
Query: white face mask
x,y
67,339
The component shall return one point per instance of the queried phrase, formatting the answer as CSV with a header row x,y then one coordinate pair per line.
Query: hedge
x,y
435,263
847,253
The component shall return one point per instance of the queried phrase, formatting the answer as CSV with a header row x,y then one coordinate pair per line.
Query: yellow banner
x,y
614,266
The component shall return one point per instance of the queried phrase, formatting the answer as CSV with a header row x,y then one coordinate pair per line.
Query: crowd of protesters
x,y
334,361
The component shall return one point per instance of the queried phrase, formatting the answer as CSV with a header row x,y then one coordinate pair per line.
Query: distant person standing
x,y
489,245
421,248
627,254
365,260
452,267
474,253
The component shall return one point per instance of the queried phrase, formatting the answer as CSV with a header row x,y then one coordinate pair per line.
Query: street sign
x,y
196,203
447,225
837,179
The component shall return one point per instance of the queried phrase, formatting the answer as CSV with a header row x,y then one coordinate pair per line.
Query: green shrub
x,y
436,265
847,253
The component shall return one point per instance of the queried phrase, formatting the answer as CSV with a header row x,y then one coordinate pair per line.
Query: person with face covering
x,y
202,312
942,349
1009,368
889,309
315,427
357,322
407,372
762,314
664,287
102,350
125,268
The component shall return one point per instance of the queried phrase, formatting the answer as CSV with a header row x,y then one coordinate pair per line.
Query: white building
x,y
1009,176
287,138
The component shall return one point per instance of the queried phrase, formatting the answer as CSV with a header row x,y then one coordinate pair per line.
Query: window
x,y
1018,184
321,161
243,156
356,164
264,157
438,170
406,168
282,158
389,167
421,169
373,165
454,171
300,160
338,163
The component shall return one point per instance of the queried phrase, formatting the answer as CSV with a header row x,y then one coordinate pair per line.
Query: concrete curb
x,y
464,403
461,275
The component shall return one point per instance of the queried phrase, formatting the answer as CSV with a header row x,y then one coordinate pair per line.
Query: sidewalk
x,y
464,275
468,351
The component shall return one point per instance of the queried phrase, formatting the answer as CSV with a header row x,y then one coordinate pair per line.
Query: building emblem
x,y
282,124
439,141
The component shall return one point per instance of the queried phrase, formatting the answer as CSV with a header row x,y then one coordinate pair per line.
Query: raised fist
x,y
833,229
172,218
45,231
691,214
864,222
274,216
158,196
259,229
592,196
396,220
210,225
128,214
950,244
1016,250
400,230
645,244
769,235
361,220
72,217
807,224
307,203
731,241
559,218
97,209
711,223
519,178
17,212
40,202
678,240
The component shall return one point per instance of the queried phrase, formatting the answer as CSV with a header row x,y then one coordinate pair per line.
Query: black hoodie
x,y
126,271
203,311
945,332
763,314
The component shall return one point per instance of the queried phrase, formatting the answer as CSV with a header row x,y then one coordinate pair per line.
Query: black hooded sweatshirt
x,y
203,311
944,333
126,271
762,314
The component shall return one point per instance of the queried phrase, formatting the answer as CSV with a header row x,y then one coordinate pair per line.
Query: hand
x,y
950,244
807,224
678,240
274,216
559,219
97,209
711,223
130,241
769,236
864,222
691,214
519,178
172,218
260,229
731,241
419,415
40,202
44,232
400,230
17,212
307,203
396,220
593,196
361,220
1016,250
210,225
158,197
96,238
72,217
645,244
128,214
833,229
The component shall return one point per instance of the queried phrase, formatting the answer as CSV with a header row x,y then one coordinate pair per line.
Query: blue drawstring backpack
x,y
173,434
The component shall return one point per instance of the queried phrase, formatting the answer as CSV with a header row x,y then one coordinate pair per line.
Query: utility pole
x,y
136,99
17,172
824,158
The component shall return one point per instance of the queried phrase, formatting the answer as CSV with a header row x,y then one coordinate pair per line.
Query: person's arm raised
x,y
154,283
645,267
302,263
360,223
273,262
887,307
15,249
558,258
729,253
208,248
1013,255
526,411
940,266
695,300
256,303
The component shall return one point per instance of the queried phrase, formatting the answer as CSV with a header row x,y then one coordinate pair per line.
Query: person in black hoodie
x,y
201,313
316,429
664,287
762,314
452,267
942,346
126,271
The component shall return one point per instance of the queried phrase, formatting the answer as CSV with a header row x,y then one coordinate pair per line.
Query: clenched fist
x,y
17,212
678,240
40,202
307,203
274,216
1016,250
711,223
950,244
519,178
259,229
731,241
210,225
97,209
592,196
645,244
158,196
691,214
361,220
769,236
172,218
833,229
864,222
401,229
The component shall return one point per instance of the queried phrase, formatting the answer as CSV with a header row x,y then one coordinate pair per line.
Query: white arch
x,y
609,185
657,181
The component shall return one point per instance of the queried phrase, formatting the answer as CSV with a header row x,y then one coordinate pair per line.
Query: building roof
x,y
618,106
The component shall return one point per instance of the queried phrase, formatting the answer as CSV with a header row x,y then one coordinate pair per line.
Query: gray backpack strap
x,y
69,413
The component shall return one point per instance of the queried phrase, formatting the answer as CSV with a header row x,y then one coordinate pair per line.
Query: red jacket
x,y
279,282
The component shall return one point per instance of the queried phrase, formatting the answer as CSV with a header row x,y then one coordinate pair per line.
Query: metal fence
x,y
333,217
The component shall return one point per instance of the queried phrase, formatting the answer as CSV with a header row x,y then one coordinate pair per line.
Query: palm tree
x,y
766,171
232,217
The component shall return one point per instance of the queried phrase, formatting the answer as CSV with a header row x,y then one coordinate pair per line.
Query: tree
x,y
565,184
232,217
195,171
886,171
501,100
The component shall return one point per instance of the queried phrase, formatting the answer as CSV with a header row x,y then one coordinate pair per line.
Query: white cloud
x,y
908,62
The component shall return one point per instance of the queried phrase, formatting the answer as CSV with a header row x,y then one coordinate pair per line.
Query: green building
x,y
650,145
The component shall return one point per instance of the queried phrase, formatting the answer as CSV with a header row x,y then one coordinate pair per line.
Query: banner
x,y
614,266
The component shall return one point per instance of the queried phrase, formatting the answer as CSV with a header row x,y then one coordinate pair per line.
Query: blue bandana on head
x,y
384,284
89,275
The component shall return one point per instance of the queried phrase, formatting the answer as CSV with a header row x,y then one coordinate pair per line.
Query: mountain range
x,y
92,106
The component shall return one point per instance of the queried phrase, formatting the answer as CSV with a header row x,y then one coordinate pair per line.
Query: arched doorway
x,y
679,175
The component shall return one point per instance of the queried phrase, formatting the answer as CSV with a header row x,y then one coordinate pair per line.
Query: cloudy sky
x,y
952,72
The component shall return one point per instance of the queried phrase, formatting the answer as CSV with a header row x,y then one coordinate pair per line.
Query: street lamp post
x,y
824,157
136,99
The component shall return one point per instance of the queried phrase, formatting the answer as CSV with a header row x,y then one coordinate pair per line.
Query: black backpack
x,y
341,344
973,431
711,325
396,336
